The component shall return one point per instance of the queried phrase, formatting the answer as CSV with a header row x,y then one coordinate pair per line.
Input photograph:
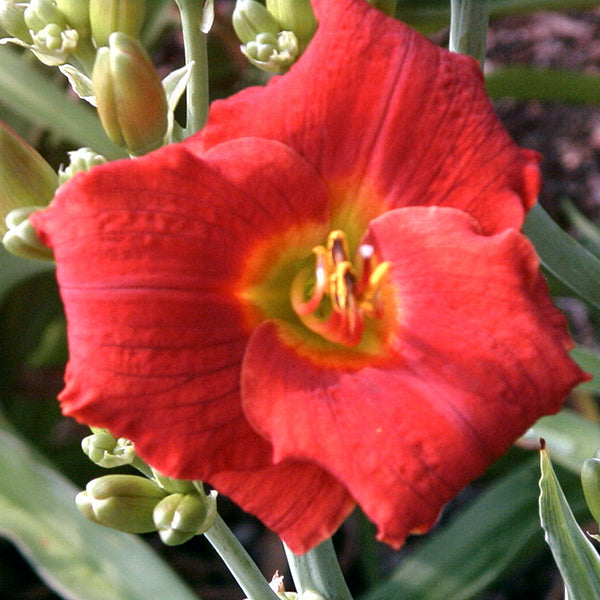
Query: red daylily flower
x,y
324,298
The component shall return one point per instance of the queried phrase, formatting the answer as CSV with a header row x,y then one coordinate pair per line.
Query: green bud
x,y
40,13
21,238
12,19
108,16
250,18
53,46
79,160
179,517
386,6
296,16
77,14
131,100
590,480
26,179
272,54
106,450
123,502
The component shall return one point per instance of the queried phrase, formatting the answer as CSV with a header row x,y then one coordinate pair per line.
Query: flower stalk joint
x,y
123,502
132,103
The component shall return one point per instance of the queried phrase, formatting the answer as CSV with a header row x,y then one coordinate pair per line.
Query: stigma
x,y
341,296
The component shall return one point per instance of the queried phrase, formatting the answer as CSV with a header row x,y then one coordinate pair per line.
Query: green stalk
x,y
194,43
468,27
318,571
246,573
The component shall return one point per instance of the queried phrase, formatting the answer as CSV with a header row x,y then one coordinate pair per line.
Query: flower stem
x,y
246,573
194,43
318,571
468,27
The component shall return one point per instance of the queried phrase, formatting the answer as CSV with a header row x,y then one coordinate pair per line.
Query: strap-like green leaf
x,y
552,85
499,530
78,559
574,554
564,258
33,96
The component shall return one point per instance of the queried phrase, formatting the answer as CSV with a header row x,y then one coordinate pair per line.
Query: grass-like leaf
x,y
574,554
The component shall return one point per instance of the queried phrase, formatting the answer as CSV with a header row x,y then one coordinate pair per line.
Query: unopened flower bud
x,y
123,502
21,238
132,103
53,45
12,19
296,16
179,517
26,179
250,18
108,16
108,451
590,480
272,54
82,159
40,13
77,14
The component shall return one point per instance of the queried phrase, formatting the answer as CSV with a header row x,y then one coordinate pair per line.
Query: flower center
x,y
334,299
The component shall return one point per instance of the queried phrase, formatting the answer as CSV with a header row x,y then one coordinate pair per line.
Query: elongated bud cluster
x,y
110,16
131,100
274,37
590,480
108,451
123,502
296,16
52,39
179,517
82,159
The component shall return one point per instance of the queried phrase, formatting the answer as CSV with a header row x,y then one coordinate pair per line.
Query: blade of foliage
x,y
78,559
432,14
33,96
588,360
14,269
586,230
496,532
574,554
564,258
570,438
552,85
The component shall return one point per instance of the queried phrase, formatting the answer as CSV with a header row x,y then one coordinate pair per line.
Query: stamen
x,y
337,247
352,298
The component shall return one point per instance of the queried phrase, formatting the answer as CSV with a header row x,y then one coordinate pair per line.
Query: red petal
x,y
302,503
389,120
479,353
150,253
